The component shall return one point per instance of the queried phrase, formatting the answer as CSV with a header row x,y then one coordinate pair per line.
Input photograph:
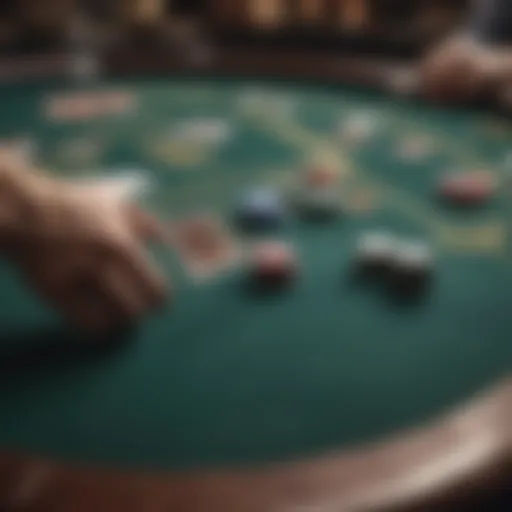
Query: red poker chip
x,y
273,263
470,188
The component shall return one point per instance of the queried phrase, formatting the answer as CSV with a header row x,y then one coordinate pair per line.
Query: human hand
x,y
459,70
81,247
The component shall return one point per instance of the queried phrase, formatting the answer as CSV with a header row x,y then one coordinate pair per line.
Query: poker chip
x,y
375,252
273,264
261,209
412,267
472,188
358,127
413,256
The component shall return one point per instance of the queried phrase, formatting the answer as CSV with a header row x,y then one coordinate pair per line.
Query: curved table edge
x,y
436,468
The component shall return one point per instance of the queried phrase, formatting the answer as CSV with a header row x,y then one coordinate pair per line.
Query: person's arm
x,y
491,21
476,61
21,189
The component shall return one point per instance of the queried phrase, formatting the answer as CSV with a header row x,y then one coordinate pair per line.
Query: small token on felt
x,y
273,263
358,127
375,252
321,175
376,245
261,209
468,188
412,267
414,255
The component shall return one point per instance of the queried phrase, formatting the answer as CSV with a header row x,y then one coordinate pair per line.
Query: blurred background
x,y
392,27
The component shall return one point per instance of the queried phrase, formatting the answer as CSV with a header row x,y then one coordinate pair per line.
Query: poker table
x,y
331,395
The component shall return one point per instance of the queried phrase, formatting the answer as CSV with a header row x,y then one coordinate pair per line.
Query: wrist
x,y
21,191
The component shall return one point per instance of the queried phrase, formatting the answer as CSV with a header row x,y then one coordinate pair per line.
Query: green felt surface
x,y
226,377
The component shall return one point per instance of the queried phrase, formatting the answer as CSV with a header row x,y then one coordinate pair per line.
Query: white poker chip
x,y
376,246
364,122
358,127
414,256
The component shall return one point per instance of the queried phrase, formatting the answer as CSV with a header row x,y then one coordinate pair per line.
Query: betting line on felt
x,y
301,137
447,235
307,142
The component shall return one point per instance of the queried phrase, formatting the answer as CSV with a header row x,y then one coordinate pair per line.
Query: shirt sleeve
x,y
491,21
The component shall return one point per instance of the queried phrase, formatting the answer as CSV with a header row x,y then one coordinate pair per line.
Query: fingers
x,y
135,264
124,287
446,79
110,291
99,275
147,226
85,309
110,301
121,295
459,72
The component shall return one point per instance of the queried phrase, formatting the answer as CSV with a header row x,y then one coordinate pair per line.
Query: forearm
x,y
491,21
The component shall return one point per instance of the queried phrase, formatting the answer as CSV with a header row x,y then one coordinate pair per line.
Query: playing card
x,y
87,105
205,246
127,185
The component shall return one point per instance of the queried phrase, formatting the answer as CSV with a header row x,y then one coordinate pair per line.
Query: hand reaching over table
x,y
80,246
459,70
476,61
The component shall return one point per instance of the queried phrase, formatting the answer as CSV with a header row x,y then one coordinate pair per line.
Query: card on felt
x,y
129,185
205,246
87,105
